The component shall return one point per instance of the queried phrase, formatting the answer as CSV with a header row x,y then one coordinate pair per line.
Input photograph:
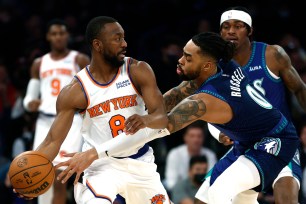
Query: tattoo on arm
x,y
177,94
186,112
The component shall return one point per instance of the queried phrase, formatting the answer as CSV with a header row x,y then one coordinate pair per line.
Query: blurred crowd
x,y
156,31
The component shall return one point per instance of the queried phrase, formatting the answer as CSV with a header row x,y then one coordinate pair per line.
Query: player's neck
x,y
102,72
59,54
243,53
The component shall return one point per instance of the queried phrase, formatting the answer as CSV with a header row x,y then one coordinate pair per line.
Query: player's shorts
x,y
270,156
271,166
72,143
134,179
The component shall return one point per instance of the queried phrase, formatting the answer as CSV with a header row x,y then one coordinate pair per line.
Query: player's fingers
x,y
68,175
77,177
66,163
63,173
69,154
137,126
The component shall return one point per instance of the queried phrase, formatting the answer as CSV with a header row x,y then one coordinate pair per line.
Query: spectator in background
x,y
184,191
177,162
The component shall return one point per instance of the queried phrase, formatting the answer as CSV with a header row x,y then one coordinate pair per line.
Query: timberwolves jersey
x,y
254,117
54,75
264,80
108,106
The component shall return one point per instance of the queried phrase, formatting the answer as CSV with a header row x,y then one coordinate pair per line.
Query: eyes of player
x,y
237,26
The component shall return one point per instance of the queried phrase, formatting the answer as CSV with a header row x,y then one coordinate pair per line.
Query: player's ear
x,y
206,66
251,32
97,45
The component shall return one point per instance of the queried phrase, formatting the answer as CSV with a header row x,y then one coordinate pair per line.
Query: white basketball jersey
x,y
54,75
109,105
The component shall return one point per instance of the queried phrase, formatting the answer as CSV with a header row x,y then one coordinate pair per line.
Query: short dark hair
x,y
197,124
197,159
214,45
56,21
94,27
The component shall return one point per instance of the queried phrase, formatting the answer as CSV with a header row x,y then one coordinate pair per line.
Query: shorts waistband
x,y
140,153
47,114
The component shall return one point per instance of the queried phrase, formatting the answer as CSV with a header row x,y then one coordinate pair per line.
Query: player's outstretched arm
x,y
177,94
288,73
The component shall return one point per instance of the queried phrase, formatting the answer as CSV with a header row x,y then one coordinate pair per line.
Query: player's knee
x,y
286,198
249,197
286,191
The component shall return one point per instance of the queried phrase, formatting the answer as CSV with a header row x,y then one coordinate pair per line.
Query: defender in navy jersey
x,y
226,99
267,140
270,71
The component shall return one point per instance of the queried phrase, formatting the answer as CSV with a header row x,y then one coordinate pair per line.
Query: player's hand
x,y
34,105
225,140
77,164
22,196
134,123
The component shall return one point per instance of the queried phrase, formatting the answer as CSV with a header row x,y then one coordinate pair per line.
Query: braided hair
x,y
214,45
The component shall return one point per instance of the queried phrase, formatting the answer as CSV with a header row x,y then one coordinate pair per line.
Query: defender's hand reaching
x,y
225,140
134,123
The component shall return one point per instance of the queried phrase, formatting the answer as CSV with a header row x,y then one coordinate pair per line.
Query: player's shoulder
x,y
277,53
73,94
138,65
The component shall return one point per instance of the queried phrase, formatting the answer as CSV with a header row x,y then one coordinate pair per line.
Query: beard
x,y
188,77
113,60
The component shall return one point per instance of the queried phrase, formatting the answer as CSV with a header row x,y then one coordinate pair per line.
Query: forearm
x,y
49,148
32,93
123,142
185,113
156,121
179,93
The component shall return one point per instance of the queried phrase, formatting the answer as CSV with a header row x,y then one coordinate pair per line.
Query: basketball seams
x,y
28,164
31,167
41,179
47,160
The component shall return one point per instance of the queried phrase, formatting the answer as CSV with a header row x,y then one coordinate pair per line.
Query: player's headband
x,y
237,15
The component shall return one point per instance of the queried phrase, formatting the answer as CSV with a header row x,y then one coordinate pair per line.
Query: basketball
x,y
31,173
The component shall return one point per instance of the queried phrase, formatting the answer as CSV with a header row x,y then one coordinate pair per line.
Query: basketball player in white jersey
x,y
49,74
112,89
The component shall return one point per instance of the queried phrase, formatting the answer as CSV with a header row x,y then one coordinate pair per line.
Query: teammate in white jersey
x,y
111,90
49,74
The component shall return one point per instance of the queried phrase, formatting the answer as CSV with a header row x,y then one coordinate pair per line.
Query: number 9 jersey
x,y
54,75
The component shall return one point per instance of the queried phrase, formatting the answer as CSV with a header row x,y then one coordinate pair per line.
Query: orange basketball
x,y
31,173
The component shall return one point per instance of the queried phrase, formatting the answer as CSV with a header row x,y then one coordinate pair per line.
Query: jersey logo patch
x,y
296,157
158,199
123,84
254,68
269,144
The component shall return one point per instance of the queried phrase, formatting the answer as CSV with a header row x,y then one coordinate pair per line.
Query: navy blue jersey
x,y
254,117
264,80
